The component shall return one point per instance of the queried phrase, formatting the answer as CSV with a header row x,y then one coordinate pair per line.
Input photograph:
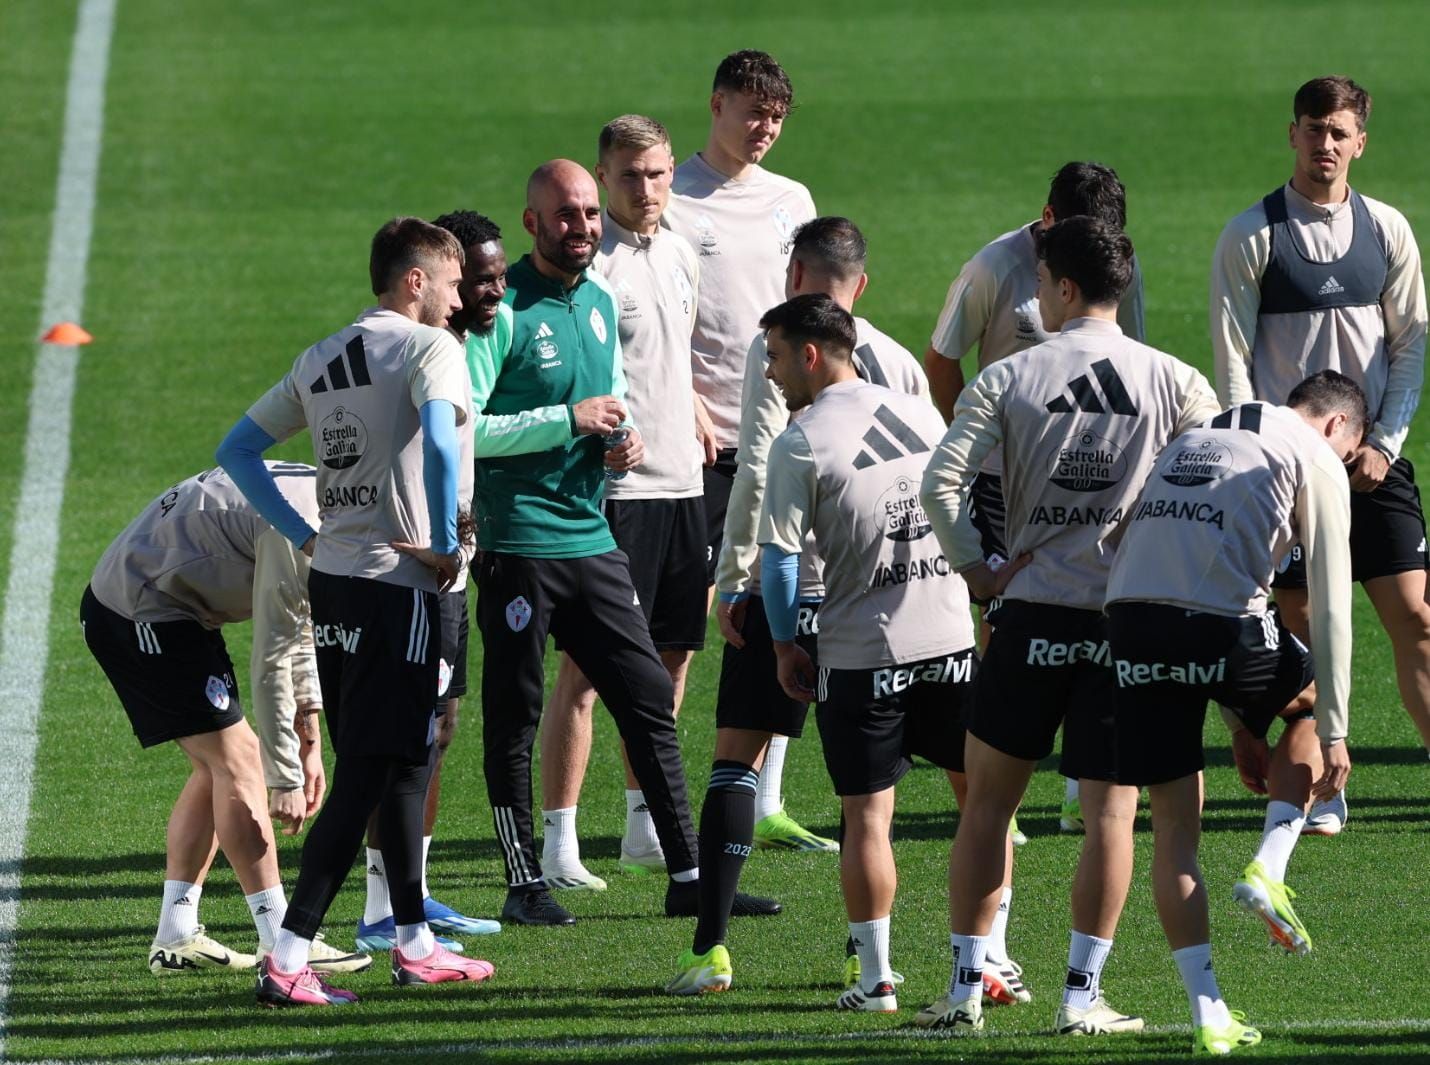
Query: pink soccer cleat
x,y
438,967
303,988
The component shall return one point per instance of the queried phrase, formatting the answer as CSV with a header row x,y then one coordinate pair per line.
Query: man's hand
x,y
628,454
598,416
1367,468
705,433
731,619
1253,759
309,544
985,584
1336,758
796,671
446,566
315,780
288,808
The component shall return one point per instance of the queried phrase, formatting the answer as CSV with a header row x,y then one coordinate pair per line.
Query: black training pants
x,y
589,606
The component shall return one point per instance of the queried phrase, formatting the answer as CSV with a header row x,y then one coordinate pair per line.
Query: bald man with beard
x,y
550,398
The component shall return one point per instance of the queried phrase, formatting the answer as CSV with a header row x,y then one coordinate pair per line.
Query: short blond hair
x,y
631,131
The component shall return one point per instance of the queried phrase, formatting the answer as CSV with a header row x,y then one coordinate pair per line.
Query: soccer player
x,y
896,639
655,512
197,558
741,219
993,303
549,563
1317,276
1080,418
1224,503
388,406
483,285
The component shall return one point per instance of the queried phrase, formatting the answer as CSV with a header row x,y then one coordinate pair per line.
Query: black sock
x,y
727,830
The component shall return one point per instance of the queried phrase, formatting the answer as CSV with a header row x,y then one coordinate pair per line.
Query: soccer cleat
x,y
575,878
642,863
303,988
700,973
853,972
534,906
1270,901
439,967
682,899
193,953
880,1000
1327,818
325,959
441,918
1222,1041
780,831
965,1016
1016,834
383,936
1070,816
1003,983
1097,1019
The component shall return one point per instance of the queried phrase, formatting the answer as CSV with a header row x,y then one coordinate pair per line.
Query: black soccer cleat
x,y
534,906
682,899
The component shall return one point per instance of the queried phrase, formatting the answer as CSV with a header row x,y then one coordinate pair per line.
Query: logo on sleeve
x,y
342,439
705,234
784,227
217,691
682,285
598,325
518,614
444,676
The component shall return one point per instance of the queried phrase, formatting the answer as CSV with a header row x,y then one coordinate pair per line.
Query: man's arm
x,y
1237,265
1198,402
1323,520
961,324
1403,305
241,456
975,431
763,416
785,521
494,435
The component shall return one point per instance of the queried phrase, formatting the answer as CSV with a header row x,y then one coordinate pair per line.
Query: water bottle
x,y
614,440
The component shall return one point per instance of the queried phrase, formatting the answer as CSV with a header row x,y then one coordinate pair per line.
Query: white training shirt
x,y
656,280
1381,348
742,231
359,392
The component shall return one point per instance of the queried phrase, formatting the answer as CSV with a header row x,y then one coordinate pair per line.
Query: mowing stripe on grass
x,y
24,633
789,1041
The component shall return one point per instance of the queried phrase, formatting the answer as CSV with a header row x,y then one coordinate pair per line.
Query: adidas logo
x,y
642,809
373,870
857,942
184,901
548,822
884,449
262,910
544,331
338,371
1283,824
1331,287
1085,397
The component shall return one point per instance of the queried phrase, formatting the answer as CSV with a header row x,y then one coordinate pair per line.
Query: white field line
x,y
24,632
790,1042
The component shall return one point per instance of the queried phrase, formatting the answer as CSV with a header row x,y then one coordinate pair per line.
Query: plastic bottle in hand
x,y
615,440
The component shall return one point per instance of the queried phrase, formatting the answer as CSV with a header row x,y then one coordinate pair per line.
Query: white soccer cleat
x,y
966,1016
642,863
1097,1019
1003,983
571,877
195,952
1327,818
323,958
880,1000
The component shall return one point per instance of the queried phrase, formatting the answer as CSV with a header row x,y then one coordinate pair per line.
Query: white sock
x,y
179,914
268,908
967,979
379,904
1284,821
640,835
871,940
1195,965
686,876
767,793
997,950
426,846
290,951
1069,789
415,941
1086,957
560,848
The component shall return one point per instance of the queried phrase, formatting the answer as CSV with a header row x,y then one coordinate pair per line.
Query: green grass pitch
x,y
250,152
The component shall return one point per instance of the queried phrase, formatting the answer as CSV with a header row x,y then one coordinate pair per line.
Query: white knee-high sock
x,y
871,941
179,914
768,799
968,956
1195,965
998,935
1086,957
268,908
379,903
1284,822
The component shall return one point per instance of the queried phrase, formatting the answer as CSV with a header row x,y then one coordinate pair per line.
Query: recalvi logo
x,y
1130,674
